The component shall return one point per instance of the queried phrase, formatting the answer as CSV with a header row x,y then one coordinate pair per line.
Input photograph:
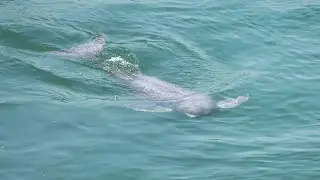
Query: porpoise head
x,y
196,105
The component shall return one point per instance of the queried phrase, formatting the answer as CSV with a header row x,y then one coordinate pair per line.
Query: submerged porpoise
x,y
163,96
166,96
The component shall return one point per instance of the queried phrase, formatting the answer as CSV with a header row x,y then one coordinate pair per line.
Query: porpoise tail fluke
x,y
232,102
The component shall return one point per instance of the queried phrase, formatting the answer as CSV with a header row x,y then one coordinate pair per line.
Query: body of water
x,y
64,118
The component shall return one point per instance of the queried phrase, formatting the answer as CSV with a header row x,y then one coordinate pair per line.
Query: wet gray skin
x,y
172,96
85,50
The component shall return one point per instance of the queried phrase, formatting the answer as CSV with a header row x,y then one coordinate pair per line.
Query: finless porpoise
x,y
163,96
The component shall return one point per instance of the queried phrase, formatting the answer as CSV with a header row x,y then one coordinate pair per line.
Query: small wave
x,y
9,103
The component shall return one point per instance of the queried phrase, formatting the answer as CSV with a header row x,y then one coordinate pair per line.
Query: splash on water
x,y
118,64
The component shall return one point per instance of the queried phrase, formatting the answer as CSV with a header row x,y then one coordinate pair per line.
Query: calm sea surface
x,y
59,118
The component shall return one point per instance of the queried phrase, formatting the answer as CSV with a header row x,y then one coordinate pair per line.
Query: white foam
x,y
118,64
121,60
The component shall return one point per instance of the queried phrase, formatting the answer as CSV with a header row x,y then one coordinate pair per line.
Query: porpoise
x,y
163,96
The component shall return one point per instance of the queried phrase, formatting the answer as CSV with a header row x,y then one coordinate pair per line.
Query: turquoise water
x,y
59,118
